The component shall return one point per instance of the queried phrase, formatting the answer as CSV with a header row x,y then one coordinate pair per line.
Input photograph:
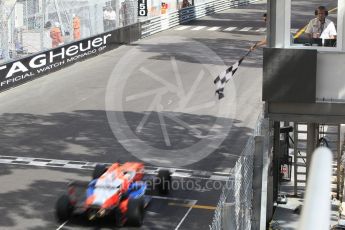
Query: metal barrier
x,y
29,68
235,204
30,26
163,22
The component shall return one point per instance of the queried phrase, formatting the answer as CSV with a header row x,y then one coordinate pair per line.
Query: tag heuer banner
x,y
23,70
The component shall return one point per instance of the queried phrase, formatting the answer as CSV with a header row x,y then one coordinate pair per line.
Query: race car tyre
x,y
164,181
135,212
119,220
98,171
64,208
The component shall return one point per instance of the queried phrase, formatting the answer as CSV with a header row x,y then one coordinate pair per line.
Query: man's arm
x,y
259,44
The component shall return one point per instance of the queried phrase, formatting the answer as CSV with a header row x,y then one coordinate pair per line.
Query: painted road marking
x,y
246,29
190,204
261,29
185,216
182,174
214,28
84,165
172,198
183,28
207,207
63,224
300,32
199,28
334,9
217,178
230,29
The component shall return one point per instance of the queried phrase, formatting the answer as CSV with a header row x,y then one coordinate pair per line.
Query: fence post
x,y
265,132
257,181
4,31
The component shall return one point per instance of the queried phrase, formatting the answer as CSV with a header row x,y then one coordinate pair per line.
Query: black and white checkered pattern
x,y
226,75
83,165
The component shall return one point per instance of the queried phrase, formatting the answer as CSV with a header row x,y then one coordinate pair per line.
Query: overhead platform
x,y
304,89
303,78
307,112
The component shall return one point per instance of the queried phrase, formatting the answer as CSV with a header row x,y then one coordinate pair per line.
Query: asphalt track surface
x,y
67,118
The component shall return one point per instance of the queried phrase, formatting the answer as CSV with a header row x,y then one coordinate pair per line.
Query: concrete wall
x,y
330,80
330,76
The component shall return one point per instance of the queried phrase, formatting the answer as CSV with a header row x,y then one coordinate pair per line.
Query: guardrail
x,y
172,19
30,68
28,27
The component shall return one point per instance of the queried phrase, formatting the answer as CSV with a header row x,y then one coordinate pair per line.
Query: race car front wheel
x,y
64,208
98,171
135,212
164,177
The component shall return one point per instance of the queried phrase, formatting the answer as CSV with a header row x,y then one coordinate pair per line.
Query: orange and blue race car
x,y
118,191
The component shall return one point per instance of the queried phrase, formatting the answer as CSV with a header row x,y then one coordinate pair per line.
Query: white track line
x,y
84,165
230,29
191,202
171,198
261,29
164,129
246,29
214,28
63,224
183,28
185,216
92,164
199,28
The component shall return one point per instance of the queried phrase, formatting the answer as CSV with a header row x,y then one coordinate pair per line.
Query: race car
x,y
118,191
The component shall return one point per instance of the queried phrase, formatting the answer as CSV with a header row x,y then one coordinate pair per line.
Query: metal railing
x,y
234,209
163,22
27,26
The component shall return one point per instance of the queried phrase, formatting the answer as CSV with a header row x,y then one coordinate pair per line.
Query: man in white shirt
x,y
109,18
321,27
112,18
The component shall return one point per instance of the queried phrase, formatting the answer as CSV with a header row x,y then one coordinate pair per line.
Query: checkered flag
x,y
226,75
